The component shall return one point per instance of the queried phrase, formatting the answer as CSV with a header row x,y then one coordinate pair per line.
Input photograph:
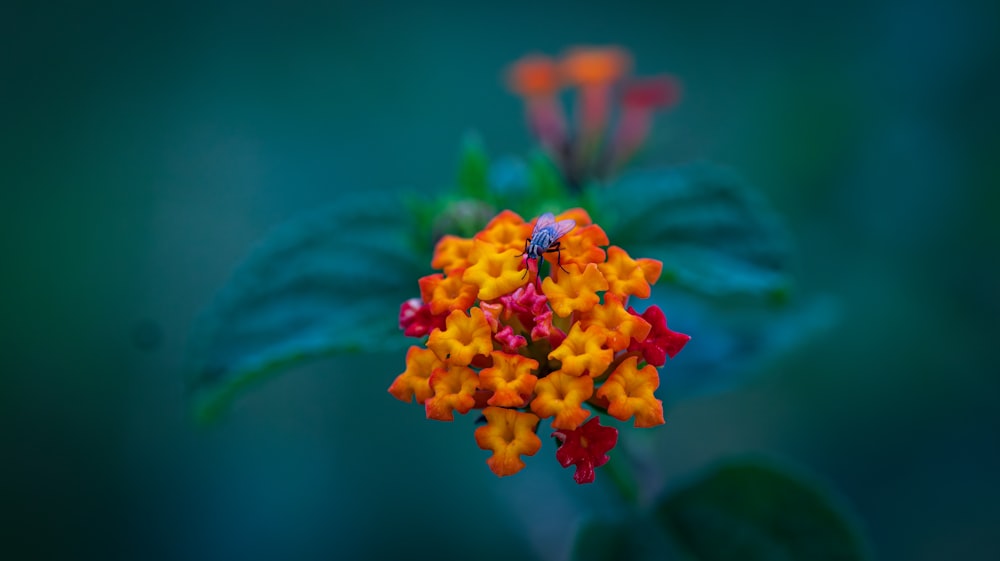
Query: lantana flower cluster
x,y
499,338
613,110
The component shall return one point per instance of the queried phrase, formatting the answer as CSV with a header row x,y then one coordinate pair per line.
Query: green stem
x,y
621,475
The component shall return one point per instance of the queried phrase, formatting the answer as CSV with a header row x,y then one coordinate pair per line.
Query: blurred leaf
x,y
598,540
754,510
510,180
637,537
473,168
731,344
714,234
328,282
547,182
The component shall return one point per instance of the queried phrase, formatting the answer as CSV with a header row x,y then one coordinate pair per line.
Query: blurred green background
x,y
145,148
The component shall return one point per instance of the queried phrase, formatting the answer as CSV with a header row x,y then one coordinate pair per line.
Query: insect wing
x,y
544,221
562,228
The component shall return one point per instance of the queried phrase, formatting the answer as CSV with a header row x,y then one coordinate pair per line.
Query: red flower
x,y
661,341
586,447
656,92
640,99
416,319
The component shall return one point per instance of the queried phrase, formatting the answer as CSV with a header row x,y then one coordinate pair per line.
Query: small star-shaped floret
x,y
509,378
627,276
464,337
454,390
586,447
495,272
444,294
451,254
629,392
506,231
561,395
575,291
660,342
509,434
580,247
582,352
620,326
416,319
415,380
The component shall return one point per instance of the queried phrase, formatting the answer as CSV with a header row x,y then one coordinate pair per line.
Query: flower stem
x,y
622,476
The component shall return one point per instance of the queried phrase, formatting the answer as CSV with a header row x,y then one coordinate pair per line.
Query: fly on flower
x,y
564,349
545,238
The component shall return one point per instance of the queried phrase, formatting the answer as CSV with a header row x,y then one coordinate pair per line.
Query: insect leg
x,y
526,260
556,247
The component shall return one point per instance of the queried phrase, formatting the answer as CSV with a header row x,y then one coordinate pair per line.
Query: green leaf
x,y
327,282
756,510
599,540
636,537
473,168
546,180
731,345
714,234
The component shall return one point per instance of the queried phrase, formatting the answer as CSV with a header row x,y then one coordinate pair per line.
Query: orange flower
x,y
464,337
451,254
509,378
620,326
415,380
575,291
629,392
444,294
595,70
493,343
509,434
561,395
506,231
592,66
534,76
582,352
454,388
626,276
580,247
578,215
537,80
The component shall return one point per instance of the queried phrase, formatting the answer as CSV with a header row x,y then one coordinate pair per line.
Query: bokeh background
x,y
146,147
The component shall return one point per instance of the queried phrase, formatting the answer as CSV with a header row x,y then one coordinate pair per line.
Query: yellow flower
x,y
506,231
509,434
510,379
414,381
495,273
453,387
619,325
575,291
626,276
561,395
451,254
464,337
582,352
630,392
